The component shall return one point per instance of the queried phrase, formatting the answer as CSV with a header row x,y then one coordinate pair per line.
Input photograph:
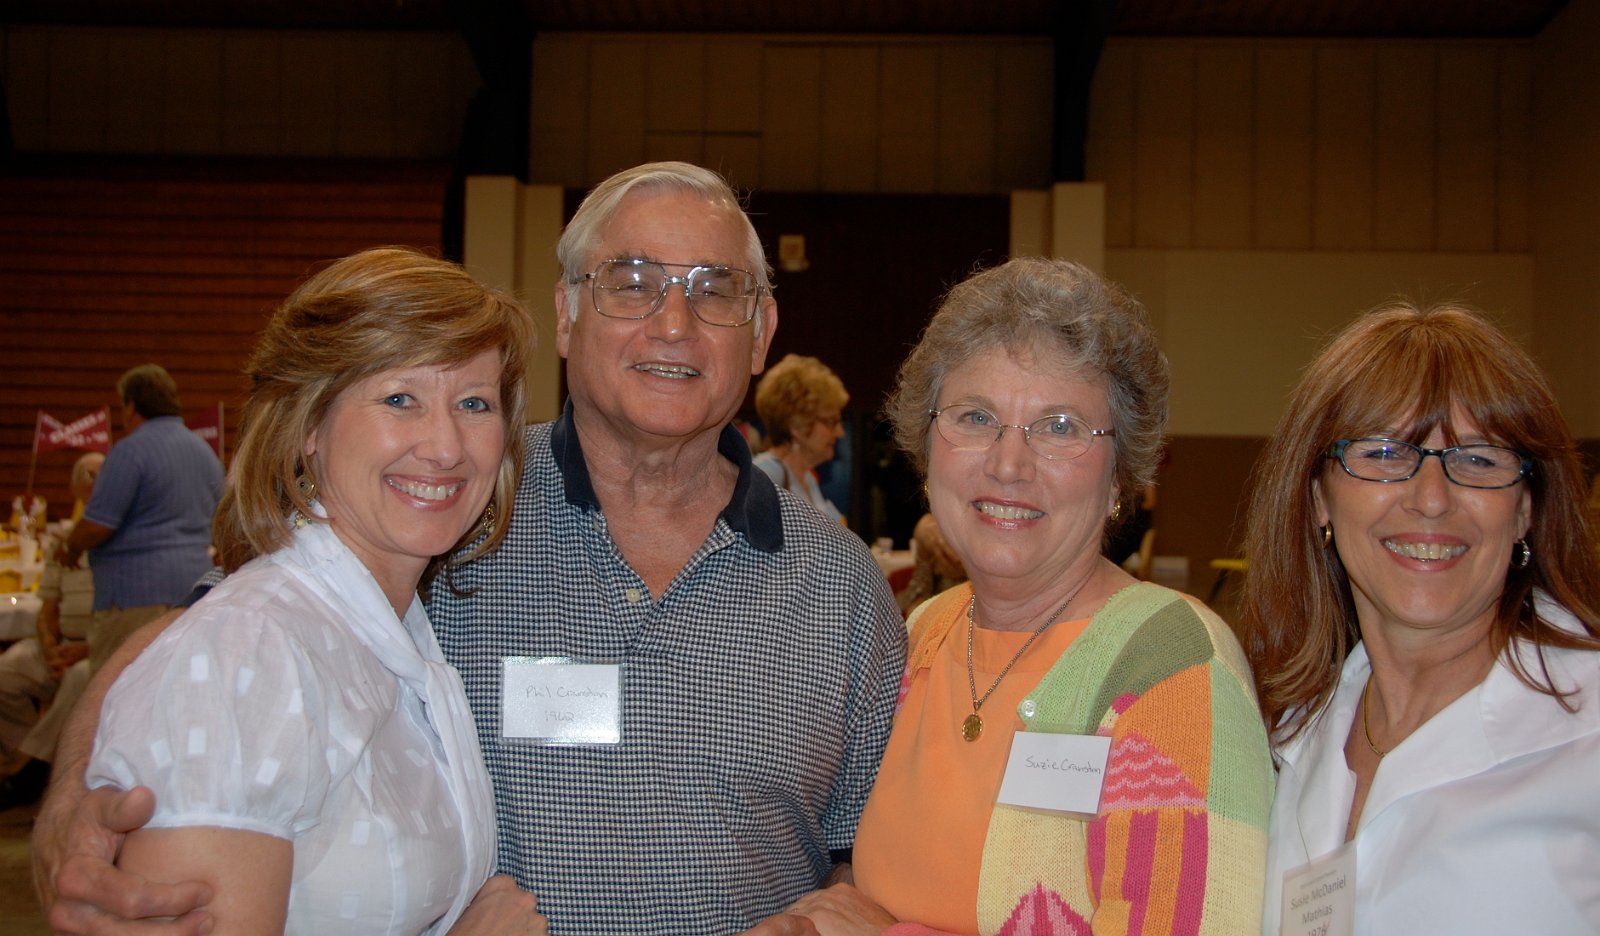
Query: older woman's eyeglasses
x,y
972,428
1474,466
634,289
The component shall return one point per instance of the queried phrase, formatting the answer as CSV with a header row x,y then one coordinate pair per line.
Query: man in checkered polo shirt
x,y
683,678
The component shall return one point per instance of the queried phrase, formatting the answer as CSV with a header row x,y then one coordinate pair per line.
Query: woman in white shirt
x,y
800,401
313,758
1423,616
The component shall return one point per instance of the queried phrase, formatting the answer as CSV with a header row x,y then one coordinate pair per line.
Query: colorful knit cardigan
x,y
1179,845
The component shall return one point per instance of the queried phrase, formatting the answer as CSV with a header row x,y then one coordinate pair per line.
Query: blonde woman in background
x,y
801,402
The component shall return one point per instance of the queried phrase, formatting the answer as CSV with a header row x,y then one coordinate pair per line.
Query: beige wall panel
x,y
1468,122
792,90
737,156
1343,168
560,84
966,118
77,93
252,93
685,147
1283,148
192,121
1405,183
1025,115
1163,161
27,73
1513,191
612,152
136,96
733,85
559,124
1109,153
849,121
617,96
367,104
1223,125
310,125
1030,223
908,117
1273,309
675,86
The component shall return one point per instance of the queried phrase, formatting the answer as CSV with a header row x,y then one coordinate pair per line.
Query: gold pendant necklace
x,y
972,725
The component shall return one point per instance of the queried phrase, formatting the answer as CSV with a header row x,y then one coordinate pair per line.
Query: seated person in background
x,y
936,566
1035,397
1423,615
800,401
312,756
51,668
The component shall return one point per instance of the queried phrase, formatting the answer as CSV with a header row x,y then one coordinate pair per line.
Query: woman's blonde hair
x,y
796,388
377,310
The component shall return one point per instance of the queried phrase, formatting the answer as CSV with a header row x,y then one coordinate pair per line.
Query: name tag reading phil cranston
x,y
1059,772
556,700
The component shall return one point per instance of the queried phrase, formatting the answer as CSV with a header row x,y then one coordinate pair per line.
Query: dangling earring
x,y
1521,554
308,490
1327,536
486,525
1116,511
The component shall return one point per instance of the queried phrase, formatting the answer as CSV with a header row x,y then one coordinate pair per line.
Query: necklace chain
x,y
1366,726
972,727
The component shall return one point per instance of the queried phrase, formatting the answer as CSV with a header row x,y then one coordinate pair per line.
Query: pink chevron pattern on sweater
x,y
1139,776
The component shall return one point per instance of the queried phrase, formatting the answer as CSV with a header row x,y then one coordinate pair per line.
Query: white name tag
x,y
1319,899
1060,772
554,700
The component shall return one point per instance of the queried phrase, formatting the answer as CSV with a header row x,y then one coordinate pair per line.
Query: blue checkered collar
x,y
753,510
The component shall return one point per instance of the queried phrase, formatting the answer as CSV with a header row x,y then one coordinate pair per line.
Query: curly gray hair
x,y
1064,312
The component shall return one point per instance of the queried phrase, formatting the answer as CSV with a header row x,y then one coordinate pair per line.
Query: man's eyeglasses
x,y
972,428
1474,466
635,289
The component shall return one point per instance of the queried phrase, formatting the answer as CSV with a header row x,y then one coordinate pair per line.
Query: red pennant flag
x,y
208,426
91,433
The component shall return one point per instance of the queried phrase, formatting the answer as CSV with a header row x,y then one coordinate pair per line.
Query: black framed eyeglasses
x,y
630,288
1486,467
973,428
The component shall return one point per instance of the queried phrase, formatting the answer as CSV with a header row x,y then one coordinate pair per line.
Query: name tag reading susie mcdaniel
x,y
1319,899
556,700
1060,772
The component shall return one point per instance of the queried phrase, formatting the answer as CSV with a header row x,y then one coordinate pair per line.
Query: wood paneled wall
x,y
1315,145
103,268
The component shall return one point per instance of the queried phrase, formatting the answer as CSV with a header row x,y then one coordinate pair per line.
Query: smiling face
x,y
405,461
1019,521
669,376
1426,553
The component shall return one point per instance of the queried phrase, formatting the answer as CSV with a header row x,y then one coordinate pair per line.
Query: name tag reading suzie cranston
x,y
1059,772
557,700
1319,899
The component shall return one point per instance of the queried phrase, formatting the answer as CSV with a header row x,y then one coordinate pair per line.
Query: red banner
x,y
91,433
208,426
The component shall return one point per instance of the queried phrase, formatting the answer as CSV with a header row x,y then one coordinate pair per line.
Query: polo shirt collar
x,y
752,511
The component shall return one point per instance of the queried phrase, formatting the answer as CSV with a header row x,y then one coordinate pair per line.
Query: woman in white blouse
x,y
312,756
1423,616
